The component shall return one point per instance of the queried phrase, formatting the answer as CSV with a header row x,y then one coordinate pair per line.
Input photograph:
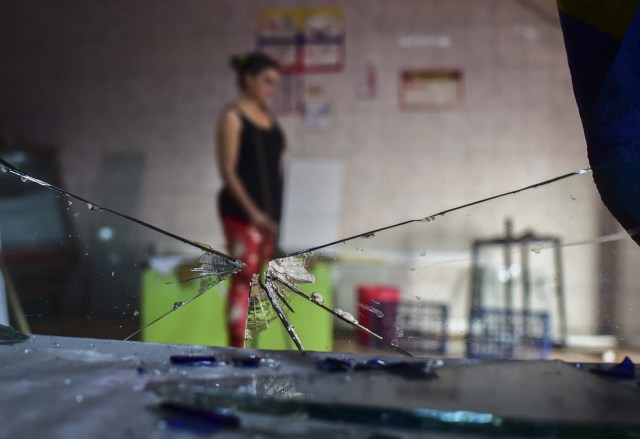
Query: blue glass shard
x,y
194,360
249,361
334,365
625,370
196,420
404,369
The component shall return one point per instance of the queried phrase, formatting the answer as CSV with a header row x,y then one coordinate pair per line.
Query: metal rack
x,y
517,319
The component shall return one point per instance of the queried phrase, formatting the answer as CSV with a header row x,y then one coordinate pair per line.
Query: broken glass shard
x,y
404,369
408,370
625,370
274,294
260,312
378,313
246,361
268,294
194,360
293,269
8,335
217,264
346,316
335,364
196,420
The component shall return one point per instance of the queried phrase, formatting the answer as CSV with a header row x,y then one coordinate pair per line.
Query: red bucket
x,y
377,311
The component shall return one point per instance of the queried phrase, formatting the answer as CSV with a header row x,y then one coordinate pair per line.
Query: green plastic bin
x,y
203,321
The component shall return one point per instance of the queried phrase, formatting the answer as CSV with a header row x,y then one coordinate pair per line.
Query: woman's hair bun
x,y
238,62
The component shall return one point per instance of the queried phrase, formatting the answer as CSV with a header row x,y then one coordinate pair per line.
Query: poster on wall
x,y
317,108
288,100
304,39
430,89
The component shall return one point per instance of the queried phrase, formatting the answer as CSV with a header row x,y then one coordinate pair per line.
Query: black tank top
x,y
253,168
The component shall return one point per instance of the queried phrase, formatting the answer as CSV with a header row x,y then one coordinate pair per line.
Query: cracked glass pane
x,y
117,105
531,274
536,273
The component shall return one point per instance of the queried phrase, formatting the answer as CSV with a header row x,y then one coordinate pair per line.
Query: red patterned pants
x,y
247,243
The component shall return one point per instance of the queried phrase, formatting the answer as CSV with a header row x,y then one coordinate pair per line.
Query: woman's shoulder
x,y
232,108
231,115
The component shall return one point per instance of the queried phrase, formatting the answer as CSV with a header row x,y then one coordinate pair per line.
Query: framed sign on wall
x,y
430,89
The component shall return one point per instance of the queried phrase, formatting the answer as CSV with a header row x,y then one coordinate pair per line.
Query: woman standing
x,y
250,146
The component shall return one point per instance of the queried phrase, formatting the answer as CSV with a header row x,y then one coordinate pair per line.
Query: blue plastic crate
x,y
501,334
423,327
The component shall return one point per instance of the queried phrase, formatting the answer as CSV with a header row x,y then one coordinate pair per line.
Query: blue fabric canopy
x,y
602,39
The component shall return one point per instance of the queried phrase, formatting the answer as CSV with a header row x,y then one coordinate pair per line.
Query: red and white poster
x,y
304,39
429,89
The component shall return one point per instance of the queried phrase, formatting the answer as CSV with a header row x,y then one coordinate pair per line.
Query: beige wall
x,y
152,76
